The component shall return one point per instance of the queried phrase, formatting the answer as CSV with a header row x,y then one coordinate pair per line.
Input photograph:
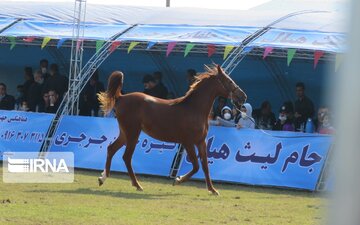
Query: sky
x,y
212,4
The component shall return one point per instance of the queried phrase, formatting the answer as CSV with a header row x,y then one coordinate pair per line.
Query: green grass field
x,y
117,202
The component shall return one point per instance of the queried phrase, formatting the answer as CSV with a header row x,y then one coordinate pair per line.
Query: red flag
x,y
317,55
211,49
28,39
267,51
114,46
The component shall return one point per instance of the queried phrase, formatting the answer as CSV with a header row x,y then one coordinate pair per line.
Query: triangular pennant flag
x,y
114,46
248,49
132,45
150,45
28,39
211,49
60,42
170,47
99,44
267,51
188,49
78,44
317,56
338,60
290,55
12,42
45,41
227,50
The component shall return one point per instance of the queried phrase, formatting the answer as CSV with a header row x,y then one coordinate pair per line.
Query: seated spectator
x,y
226,119
191,76
264,117
285,121
151,88
221,103
304,107
162,89
20,97
326,127
29,80
7,102
24,107
35,92
56,81
236,114
45,102
54,102
44,64
320,116
89,103
246,120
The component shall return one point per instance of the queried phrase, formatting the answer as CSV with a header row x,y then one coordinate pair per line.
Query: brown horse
x,y
183,120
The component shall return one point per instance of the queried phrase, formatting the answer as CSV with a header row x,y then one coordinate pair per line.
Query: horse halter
x,y
233,88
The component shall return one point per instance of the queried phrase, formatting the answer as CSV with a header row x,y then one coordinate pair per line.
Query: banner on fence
x,y
88,138
258,157
22,131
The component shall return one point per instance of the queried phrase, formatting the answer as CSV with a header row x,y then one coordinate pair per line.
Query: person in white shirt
x,y
246,121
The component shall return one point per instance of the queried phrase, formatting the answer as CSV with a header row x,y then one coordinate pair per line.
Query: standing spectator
x,y
35,91
246,121
304,107
151,88
29,80
264,117
54,102
45,102
89,103
56,82
162,89
285,121
221,103
44,64
191,76
7,102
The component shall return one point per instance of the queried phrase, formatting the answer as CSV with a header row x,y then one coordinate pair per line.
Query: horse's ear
x,y
219,69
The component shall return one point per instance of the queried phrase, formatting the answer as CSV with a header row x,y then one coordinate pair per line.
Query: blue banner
x,y
22,131
284,159
88,138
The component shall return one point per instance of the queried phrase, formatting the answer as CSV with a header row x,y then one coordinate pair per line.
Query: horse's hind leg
x,y
204,163
192,156
111,150
131,138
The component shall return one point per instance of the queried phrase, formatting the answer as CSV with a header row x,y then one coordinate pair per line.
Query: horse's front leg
x,y
204,163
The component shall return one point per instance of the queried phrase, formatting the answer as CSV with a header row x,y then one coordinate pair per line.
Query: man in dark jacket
x,y
304,107
35,91
7,102
56,82
151,88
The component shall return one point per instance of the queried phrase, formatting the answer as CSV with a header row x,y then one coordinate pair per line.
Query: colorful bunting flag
x,y
188,48
28,39
132,45
150,45
60,42
211,49
267,51
170,47
290,55
99,44
114,46
45,41
248,49
338,60
317,55
227,50
12,42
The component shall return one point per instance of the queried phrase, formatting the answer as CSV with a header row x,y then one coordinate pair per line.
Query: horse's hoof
x,y
139,189
177,181
214,192
101,182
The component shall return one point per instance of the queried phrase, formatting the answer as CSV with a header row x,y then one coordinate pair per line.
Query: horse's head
x,y
229,89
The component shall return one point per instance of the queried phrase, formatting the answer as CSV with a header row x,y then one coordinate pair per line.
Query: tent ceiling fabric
x,y
181,24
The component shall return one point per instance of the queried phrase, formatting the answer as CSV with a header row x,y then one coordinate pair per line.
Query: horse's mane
x,y
209,72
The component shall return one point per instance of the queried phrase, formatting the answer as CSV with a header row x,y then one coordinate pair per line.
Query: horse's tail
x,y
107,98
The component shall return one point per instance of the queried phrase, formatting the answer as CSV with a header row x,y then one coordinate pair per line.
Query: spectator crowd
x,y
44,89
